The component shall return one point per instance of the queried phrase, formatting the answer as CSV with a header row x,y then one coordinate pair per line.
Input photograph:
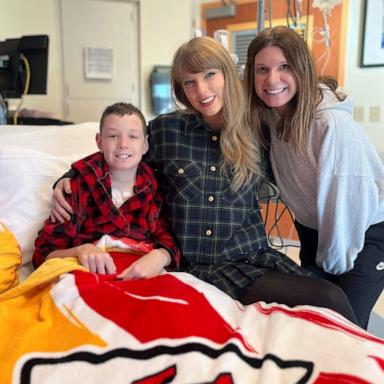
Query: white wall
x,y
364,84
164,25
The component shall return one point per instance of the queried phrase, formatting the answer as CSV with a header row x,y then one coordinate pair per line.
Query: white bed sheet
x,y
31,159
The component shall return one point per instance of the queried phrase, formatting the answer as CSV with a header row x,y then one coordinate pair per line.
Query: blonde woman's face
x,y
205,91
275,82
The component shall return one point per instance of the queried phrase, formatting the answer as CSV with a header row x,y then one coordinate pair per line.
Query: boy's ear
x,y
146,145
99,142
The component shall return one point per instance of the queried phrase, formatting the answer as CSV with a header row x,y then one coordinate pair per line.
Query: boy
x,y
115,194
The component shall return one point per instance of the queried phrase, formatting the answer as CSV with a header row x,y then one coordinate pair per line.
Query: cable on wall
x,y
325,7
26,87
267,194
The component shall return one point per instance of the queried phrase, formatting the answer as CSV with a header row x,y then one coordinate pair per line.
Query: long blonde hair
x,y
296,123
238,143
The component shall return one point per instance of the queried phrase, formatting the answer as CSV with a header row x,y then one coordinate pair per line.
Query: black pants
x,y
365,282
292,290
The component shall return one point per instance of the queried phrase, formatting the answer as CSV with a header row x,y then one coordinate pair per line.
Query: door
x,y
101,56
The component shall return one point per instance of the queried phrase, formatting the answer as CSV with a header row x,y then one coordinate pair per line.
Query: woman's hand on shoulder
x,y
61,209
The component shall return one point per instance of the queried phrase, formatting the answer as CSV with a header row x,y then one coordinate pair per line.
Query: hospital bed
x,y
63,324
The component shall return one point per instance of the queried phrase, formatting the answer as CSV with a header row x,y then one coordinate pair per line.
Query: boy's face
x,y
122,142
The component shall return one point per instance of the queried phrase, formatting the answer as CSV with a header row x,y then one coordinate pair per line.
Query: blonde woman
x,y
208,164
324,165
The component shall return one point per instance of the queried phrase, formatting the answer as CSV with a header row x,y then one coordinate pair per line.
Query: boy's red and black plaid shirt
x,y
95,215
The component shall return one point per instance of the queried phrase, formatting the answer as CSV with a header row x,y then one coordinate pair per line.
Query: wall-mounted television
x,y
14,70
161,90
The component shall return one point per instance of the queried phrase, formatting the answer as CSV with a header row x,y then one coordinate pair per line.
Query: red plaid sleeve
x,y
55,235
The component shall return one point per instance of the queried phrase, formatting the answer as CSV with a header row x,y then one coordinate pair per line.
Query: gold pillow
x,y
10,259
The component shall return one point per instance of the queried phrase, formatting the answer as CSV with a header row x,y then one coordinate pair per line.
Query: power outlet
x,y
374,114
358,113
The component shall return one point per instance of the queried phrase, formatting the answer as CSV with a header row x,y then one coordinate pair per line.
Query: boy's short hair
x,y
122,109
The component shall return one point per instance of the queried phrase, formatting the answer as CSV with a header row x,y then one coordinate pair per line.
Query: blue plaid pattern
x,y
220,231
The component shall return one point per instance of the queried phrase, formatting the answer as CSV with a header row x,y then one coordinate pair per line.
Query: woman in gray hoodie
x,y
324,165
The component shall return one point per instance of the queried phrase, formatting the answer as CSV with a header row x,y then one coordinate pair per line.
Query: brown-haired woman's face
x,y
275,82
205,92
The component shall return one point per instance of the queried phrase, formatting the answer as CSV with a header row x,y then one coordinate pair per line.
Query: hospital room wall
x,y
364,84
163,26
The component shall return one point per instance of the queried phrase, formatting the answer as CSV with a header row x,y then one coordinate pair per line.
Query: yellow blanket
x,y
66,325
31,321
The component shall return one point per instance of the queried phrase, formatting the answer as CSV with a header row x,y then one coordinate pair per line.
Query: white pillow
x,y
55,140
27,176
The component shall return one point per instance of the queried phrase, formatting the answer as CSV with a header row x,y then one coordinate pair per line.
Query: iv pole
x,y
260,16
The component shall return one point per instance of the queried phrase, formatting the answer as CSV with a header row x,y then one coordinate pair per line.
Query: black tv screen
x,y
13,69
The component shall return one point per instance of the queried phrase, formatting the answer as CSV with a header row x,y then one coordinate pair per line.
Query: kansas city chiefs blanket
x,y
66,325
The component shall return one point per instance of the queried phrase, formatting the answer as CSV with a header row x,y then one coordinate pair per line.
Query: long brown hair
x,y
295,125
238,142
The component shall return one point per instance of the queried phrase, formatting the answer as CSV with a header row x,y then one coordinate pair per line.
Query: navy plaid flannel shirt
x,y
220,232
212,223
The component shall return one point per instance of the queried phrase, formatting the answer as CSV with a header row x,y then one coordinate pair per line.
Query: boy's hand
x,y
61,210
95,259
149,265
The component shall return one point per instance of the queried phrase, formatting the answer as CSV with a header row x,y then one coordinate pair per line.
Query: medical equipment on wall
x,y
222,36
293,17
260,15
325,7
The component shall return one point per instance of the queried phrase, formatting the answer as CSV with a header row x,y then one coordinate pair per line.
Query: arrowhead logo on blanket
x,y
176,329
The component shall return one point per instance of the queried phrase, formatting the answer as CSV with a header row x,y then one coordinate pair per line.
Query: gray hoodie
x,y
336,186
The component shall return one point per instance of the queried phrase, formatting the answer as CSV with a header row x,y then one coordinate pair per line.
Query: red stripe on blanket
x,y
379,361
332,378
319,319
165,376
174,308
